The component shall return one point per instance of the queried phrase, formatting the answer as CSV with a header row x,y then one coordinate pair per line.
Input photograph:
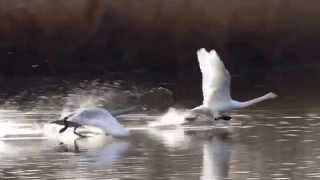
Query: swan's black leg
x,y
63,129
76,133
66,125
76,147
226,118
223,117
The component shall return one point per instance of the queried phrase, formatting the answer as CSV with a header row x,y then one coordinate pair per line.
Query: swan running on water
x,y
216,88
96,117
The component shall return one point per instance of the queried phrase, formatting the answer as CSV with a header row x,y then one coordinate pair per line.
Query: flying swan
x,y
96,117
216,88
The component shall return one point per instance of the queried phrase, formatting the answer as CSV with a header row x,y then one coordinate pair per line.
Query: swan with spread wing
x,y
216,82
97,117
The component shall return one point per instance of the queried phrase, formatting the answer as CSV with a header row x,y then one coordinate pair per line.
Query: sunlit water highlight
x,y
263,142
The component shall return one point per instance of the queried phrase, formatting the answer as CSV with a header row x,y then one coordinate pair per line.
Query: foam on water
x,y
172,117
18,131
14,130
172,138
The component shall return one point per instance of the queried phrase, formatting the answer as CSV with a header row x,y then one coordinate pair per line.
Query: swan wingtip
x,y
205,50
213,51
202,50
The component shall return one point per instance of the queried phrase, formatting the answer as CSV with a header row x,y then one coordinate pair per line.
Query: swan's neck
x,y
255,101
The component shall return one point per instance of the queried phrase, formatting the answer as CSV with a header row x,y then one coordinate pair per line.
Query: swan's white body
x,y
216,82
99,118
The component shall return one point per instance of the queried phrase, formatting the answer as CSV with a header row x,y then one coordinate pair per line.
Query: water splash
x,y
19,131
174,138
98,94
172,117
84,98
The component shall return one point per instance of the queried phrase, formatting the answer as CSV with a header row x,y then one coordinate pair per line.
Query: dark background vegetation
x,y
270,41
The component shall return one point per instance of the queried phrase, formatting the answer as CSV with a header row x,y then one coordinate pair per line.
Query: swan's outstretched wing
x,y
102,119
215,78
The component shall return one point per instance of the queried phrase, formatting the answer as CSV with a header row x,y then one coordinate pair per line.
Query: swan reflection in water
x,y
216,157
99,150
216,144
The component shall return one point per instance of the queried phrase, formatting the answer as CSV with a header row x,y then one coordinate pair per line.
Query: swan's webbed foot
x,y
223,117
78,134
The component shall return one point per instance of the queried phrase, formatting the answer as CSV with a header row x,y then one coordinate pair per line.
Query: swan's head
x,y
271,95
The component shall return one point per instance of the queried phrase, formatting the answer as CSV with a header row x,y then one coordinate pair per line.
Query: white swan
x,y
96,117
216,88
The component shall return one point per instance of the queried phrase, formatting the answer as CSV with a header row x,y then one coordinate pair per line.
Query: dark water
x,y
275,140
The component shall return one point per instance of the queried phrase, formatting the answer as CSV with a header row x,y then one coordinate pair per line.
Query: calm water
x,y
274,140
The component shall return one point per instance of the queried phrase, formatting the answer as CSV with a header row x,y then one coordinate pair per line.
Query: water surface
x,y
274,140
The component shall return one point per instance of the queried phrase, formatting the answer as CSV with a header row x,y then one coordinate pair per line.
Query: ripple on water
x,y
244,153
308,140
313,175
292,117
283,122
291,135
